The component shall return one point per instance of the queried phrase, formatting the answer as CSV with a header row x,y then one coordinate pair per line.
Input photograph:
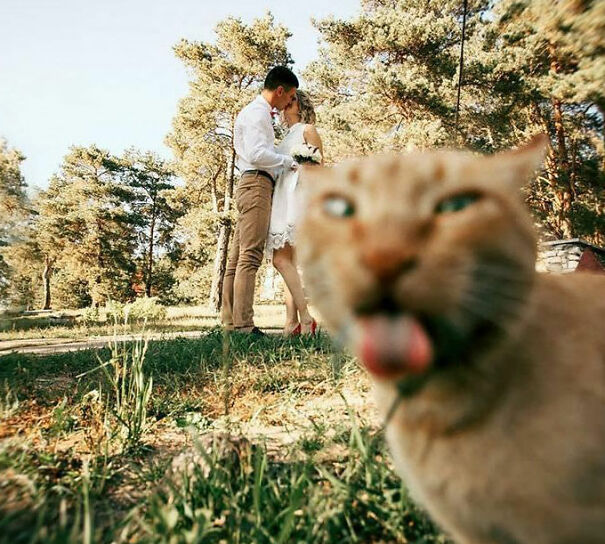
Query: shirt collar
x,y
262,100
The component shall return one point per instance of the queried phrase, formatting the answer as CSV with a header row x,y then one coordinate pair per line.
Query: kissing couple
x,y
267,201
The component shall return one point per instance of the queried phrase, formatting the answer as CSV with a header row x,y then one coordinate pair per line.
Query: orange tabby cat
x,y
491,376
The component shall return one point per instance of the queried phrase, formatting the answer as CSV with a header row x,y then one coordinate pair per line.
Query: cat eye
x,y
338,206
456,203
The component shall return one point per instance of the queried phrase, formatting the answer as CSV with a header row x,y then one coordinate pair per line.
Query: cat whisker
x,y
495,271
498,288
499,299
473,305
497,302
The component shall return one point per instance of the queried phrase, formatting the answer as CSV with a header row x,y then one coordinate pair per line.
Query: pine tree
x,y
551,57
13,205
85,226
225,76
152,183
388,78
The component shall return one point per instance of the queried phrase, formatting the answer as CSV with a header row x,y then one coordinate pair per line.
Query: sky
x,y
78,72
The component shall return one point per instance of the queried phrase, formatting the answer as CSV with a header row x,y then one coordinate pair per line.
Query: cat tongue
x,y
394,346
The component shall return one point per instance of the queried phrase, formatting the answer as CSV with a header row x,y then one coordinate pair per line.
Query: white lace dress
x,y
284,209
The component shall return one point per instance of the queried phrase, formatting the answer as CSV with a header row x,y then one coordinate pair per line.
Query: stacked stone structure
x,y
564,256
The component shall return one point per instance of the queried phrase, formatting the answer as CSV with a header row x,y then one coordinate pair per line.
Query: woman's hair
x,y
305,107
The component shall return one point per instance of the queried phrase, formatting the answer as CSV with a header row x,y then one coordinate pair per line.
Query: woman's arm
x,y
312,137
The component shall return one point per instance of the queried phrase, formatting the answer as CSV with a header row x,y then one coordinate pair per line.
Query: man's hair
x,y
280,75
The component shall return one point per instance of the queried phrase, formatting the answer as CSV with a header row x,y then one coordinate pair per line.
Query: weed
x,y
62,420
131,391
9,403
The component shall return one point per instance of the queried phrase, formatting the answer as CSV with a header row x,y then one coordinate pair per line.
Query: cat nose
x,y
387,264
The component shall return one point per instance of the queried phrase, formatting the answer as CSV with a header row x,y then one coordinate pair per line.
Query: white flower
x,y
302,153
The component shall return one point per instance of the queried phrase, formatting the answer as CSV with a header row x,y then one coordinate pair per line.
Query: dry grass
x,y
288,422
67,324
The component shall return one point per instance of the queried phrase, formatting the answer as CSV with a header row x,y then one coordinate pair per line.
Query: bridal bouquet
x,y
305,153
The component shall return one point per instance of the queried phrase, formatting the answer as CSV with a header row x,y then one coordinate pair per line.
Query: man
x,y
260,164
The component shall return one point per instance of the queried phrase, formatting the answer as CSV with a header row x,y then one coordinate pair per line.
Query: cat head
x,y
419,261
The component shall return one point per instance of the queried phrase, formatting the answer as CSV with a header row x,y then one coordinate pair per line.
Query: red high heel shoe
x,y
296,330
313,330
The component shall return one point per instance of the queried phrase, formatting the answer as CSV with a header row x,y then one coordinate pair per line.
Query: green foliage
x,y
144,309
102,218
387,79
68,289
12,183
547,63
152,183
141,310
114,311
90,315
13,208
85,210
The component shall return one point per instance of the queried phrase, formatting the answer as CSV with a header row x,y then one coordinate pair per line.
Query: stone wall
x,y
560,258
563,256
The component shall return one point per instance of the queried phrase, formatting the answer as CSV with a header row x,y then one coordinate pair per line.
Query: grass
x,y
211,439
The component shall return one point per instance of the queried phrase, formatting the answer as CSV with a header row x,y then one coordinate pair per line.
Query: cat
x,y
490,376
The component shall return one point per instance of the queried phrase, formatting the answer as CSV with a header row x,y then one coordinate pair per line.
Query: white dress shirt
x,y
254,140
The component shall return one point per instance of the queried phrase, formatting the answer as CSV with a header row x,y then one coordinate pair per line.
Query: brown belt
x,y
259,173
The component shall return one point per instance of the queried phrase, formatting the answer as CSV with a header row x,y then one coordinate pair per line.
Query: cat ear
x,y
522,162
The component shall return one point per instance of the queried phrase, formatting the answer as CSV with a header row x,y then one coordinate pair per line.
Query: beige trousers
x,y
253,201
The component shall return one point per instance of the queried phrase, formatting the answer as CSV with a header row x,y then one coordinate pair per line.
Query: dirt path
x,y
46,346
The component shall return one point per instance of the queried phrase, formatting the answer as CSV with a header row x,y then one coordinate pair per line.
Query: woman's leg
x,y
283,260
291,312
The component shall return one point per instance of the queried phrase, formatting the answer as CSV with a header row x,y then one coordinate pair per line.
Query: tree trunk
x,y
222,246
46,274
220,264
564,191
149,275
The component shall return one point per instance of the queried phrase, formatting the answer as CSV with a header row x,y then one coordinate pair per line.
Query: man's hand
x,y
290,163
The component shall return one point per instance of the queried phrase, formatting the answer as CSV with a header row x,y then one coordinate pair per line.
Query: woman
x,y
299,116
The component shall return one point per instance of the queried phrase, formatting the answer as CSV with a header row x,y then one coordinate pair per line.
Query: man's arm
x,y
259,146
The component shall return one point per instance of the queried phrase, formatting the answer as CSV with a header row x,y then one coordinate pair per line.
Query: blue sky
x,y
77,72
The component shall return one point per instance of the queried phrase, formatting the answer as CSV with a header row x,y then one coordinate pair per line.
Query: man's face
x,y
283,97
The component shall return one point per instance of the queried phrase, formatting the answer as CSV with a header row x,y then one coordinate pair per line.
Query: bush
x,y
90,315
114,311
144,309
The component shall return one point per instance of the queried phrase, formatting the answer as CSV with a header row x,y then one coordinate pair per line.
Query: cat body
x,y
491,376
529,468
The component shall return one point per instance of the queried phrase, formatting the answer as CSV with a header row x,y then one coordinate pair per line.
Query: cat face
x,y
418,261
